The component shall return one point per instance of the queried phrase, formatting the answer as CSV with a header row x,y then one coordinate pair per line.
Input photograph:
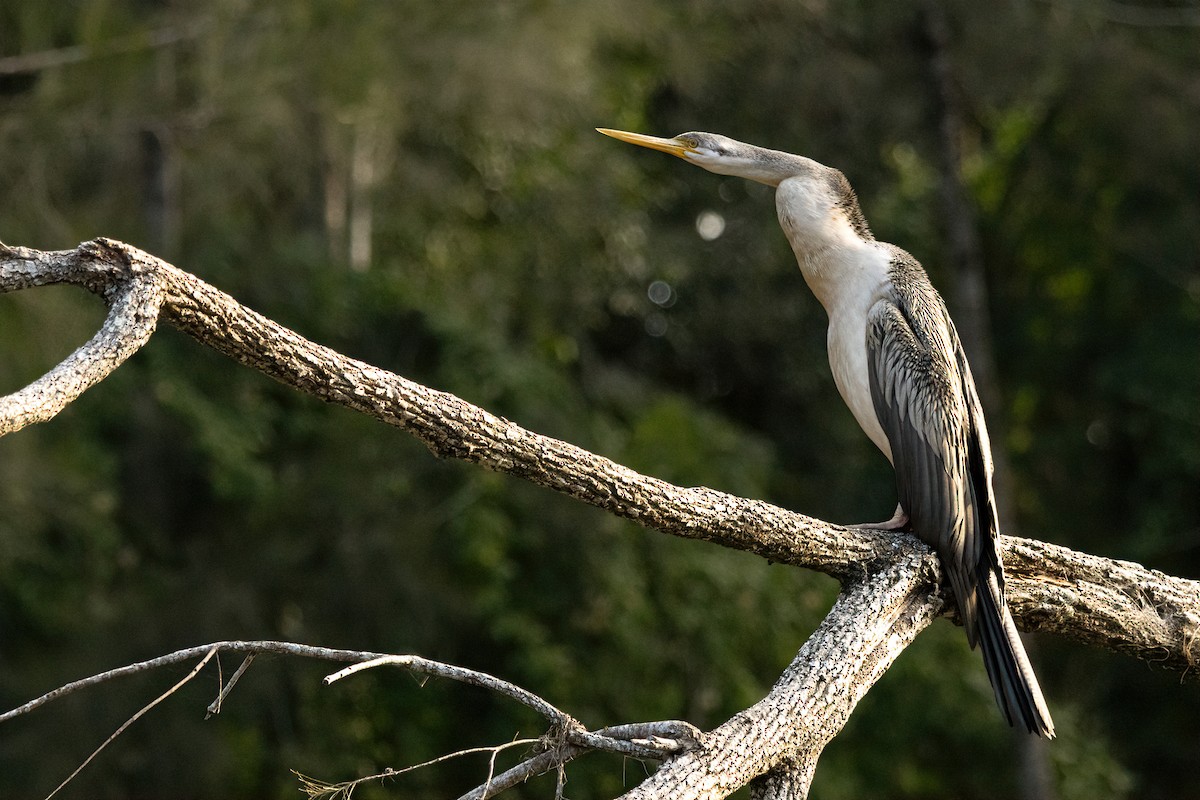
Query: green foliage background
x,y
187,499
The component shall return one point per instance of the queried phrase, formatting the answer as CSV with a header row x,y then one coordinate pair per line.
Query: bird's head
x,y
820,198
719,154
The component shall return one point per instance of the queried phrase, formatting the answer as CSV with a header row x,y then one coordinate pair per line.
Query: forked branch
x,y
566,739
134,298
1116,605
887,578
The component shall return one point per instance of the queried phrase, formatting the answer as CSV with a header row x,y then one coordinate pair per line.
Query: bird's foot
x,y
898,522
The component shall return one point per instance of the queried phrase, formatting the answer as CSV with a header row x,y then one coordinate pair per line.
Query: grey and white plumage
x,y
898,363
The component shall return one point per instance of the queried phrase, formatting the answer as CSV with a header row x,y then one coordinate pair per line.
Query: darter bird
x,y
899,366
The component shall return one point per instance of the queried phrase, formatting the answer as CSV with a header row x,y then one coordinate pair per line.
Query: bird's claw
x,y
898,522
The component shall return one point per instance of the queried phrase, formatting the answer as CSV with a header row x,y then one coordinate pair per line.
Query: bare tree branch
x,y
637,741
318,790
140,713
671,736
566,739
427,667
789,781
530,768
869,626
889,580
134,300
187,654
1117,605
226,687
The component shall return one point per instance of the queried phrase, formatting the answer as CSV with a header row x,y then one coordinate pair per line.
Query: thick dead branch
x,y
134,298
888,579
449,426
870,625
1116,605
788,781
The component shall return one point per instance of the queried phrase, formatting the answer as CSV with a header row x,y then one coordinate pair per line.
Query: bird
x,y
898,364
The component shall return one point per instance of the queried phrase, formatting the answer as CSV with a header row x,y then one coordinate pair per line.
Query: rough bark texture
x,y
133,294
783,734
888,579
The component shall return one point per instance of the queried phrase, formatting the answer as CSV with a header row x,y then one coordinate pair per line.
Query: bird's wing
x,y
916,376
979,465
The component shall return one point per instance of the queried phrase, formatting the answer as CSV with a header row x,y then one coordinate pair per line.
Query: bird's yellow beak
x,y
673,146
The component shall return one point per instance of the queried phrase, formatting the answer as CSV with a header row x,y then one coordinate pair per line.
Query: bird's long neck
x,y
771,167
840,259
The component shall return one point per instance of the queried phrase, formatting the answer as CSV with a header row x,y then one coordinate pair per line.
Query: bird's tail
x,y
1008,668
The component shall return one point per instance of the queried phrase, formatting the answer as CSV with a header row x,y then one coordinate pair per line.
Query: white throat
x,y
848,274
837,263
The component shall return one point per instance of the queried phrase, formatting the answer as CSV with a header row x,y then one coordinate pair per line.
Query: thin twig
x,y
530,768
319,789
617,738
195,671
187,654
464,675
215,706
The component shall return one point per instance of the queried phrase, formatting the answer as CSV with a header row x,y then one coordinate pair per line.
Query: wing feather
x,y
926,402
915,377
